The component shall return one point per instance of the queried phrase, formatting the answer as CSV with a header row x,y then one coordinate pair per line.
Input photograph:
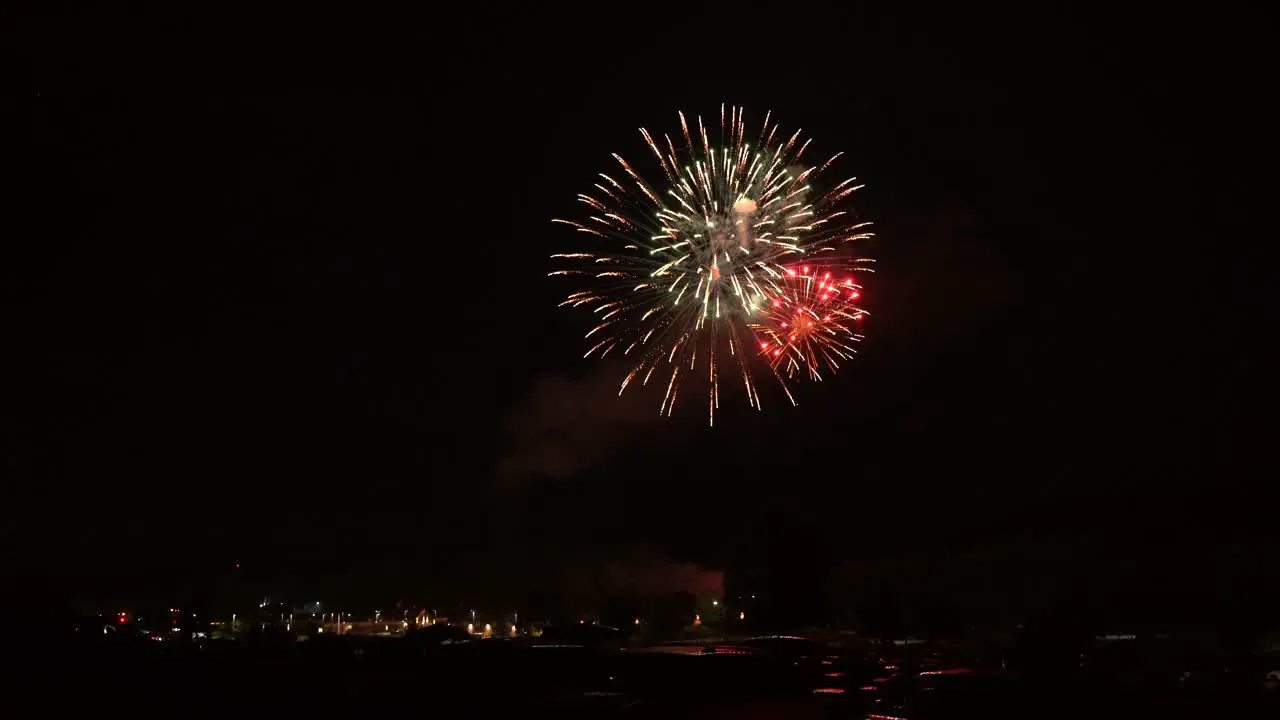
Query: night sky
x,y
276,291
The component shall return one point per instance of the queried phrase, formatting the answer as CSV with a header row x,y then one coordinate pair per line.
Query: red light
x,y
123,619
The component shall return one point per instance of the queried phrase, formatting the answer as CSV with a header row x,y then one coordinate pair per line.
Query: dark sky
x,y
276,291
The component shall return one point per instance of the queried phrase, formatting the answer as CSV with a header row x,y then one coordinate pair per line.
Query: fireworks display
x,y
807,324
736,259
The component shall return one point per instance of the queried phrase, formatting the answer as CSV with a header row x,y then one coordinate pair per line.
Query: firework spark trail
x,y
732,245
